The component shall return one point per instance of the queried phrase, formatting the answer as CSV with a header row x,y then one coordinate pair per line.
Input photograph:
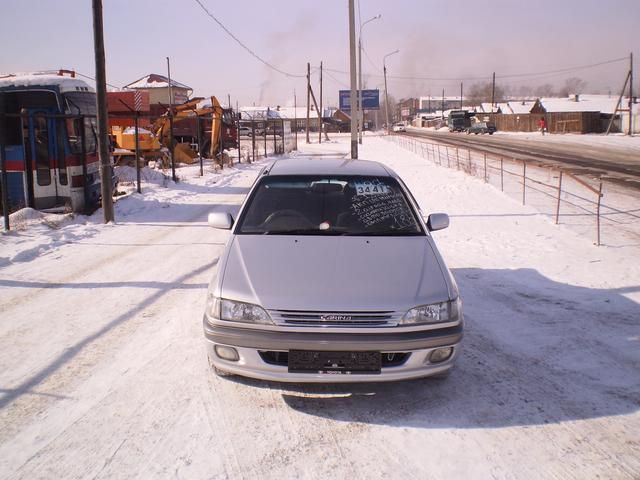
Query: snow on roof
x,y
153,80
584,103
517,107
65,83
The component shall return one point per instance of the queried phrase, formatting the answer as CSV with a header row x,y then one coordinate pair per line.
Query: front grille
x,y
388,359
335,319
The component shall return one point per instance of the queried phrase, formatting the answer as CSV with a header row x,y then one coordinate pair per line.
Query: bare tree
x,y
545,90
482,93
571,86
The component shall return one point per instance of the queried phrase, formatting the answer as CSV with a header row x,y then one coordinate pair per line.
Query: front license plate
x,y
334,363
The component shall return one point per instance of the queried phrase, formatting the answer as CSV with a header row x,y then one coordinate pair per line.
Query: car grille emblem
x,y
335,318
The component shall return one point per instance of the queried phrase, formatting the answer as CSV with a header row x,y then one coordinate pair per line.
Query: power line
x,y
93,79
239,42
517,75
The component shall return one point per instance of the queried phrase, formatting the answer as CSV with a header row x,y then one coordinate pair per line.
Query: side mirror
x,y
437,221
221,220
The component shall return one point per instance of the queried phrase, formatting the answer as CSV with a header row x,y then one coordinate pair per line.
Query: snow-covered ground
x,y
104,373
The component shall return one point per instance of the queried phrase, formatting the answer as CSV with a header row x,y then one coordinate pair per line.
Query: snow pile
x,y
128,174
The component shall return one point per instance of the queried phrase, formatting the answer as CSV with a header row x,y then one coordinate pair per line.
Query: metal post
x,y
353,98
448,159
275,144
524,180
253,140
501,174
295,117
485,167
135,128
598,211
469,156
198,128
320,118
101,101
308,103
559,194
83,159
171,146
631,94
265,139
238,132
3,162
457,159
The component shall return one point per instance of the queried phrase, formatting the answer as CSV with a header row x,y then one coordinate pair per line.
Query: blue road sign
x,y
370,100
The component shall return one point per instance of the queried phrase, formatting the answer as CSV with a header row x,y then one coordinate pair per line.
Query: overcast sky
x,y
454,39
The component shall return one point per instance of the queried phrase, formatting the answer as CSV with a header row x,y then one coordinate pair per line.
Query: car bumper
x,y
250,342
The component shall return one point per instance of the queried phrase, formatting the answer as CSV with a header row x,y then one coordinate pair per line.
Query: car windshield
x,y
329,205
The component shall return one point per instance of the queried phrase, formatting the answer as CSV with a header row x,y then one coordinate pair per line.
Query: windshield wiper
x,y
384,233
303,231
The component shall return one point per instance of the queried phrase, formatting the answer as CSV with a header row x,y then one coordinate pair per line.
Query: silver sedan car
x,y
330,274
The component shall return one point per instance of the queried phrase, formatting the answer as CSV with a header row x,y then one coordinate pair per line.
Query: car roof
x,y
328,166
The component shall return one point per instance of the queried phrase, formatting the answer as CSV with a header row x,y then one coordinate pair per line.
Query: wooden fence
x,y
559,122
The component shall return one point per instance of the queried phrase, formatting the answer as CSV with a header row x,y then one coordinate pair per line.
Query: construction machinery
x,y
198,126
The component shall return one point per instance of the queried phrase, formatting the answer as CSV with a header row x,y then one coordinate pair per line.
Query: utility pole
x,y
461,95
443,103
360,109
308,97
353,100
386,99
171,148
493,92
321,120
101,104
386,95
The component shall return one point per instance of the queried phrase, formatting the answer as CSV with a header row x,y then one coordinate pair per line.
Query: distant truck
x,y
459,120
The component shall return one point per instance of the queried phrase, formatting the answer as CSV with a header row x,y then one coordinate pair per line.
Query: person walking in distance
x,y
542,125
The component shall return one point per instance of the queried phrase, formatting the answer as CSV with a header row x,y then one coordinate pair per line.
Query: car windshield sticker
x,y
370,187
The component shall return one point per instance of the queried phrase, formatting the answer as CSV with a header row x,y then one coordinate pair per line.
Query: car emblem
x,y
333,318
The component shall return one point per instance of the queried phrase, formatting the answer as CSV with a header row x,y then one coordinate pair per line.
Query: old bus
x,y
50,141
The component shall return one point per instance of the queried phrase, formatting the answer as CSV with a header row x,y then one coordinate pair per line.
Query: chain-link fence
x,y
559,193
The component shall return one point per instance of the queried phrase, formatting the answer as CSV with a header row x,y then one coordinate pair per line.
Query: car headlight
x,y
434,313
233,311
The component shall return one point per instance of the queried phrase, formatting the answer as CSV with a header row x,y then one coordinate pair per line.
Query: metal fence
x,y
71,157
556,192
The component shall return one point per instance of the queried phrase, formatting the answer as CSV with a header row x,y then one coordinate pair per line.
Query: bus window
x,y
41,142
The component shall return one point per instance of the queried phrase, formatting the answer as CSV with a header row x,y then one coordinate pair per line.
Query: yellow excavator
x,y
213,136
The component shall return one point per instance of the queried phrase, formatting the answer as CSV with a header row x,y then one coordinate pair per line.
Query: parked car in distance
x,y
245,132
481,127
330,274
399,127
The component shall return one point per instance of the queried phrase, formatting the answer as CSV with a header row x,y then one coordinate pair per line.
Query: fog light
x,y
440,355
227,353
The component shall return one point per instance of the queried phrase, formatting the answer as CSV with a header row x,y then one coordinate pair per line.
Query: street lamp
x,y
360,112
386,96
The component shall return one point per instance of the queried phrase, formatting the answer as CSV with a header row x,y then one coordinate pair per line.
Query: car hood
x,y
333,273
